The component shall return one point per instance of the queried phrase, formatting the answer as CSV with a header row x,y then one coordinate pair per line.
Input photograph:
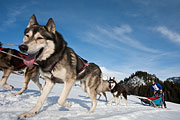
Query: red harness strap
x,y
52,67
22,56
85,65
21,65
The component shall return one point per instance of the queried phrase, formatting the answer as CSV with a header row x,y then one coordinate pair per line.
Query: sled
x,y
155,101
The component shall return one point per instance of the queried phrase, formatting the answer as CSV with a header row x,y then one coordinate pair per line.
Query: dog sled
x,y
155,101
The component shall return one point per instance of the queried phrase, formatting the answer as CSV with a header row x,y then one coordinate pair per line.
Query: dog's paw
x,y
109,102
67,104
17,93
91,111
27,115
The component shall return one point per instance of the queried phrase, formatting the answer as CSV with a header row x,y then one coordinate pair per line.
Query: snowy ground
x,y
11,106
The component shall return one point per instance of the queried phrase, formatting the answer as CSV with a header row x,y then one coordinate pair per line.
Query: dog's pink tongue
x,y
29,60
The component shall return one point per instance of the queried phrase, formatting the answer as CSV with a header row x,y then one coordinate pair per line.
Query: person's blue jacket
x,y
158,85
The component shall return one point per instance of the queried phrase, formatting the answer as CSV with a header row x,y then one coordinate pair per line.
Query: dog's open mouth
x,y
31,58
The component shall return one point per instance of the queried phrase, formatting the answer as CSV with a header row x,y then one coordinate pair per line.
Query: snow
x,y
136,81
11,106
174,79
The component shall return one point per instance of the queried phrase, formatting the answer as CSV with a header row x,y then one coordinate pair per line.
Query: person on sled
x,y
156,88
158,91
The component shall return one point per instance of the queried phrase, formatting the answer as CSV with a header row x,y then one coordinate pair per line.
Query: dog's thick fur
x,y
8,64
105,88
58,63
118,91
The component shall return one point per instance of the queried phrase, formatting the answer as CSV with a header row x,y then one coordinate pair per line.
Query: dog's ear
x,y
32,21
51,26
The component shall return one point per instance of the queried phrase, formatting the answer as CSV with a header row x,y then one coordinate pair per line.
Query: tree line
x,y
171,90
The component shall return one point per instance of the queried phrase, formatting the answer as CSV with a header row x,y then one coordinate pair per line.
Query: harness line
x,y
15,56
9,44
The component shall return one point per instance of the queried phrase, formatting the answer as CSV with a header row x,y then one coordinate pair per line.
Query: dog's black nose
x,y
23,48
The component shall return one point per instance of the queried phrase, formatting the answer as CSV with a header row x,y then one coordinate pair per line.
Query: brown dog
x,y
8,64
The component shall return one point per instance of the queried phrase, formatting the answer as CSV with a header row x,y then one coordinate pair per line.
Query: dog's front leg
x,y
26,82
5,76
116,101
46,90
99,96
110,102
105,96
120,99
67,87
36,81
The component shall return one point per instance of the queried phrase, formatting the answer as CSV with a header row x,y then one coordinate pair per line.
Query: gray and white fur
x,y
51,50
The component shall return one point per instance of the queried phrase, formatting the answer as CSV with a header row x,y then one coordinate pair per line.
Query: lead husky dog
x,y
58,64
9,64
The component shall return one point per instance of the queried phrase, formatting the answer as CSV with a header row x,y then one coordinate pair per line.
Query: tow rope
x,y
1,50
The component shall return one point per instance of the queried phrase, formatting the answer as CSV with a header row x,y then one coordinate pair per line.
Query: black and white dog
x,y
58,63
118,91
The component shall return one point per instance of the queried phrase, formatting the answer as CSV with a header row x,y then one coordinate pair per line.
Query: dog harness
x,y
85,65
81,64
52,67
22,56
84,62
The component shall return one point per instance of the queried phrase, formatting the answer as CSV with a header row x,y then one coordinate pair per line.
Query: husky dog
x,y
58,64
118,91
105,88
8,64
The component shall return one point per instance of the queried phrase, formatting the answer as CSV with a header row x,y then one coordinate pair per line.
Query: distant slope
x,y
174,79
139,78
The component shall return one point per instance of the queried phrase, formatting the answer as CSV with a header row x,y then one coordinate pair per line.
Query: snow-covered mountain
x,y
136,81
174,79
139,78
11,106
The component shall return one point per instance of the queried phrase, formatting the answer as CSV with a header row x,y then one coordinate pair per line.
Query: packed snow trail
x,y
11,106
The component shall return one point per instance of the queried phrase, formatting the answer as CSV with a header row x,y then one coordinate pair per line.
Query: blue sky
x,y
121,36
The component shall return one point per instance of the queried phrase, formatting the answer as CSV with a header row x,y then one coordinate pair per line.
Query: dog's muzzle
x,y
23,48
